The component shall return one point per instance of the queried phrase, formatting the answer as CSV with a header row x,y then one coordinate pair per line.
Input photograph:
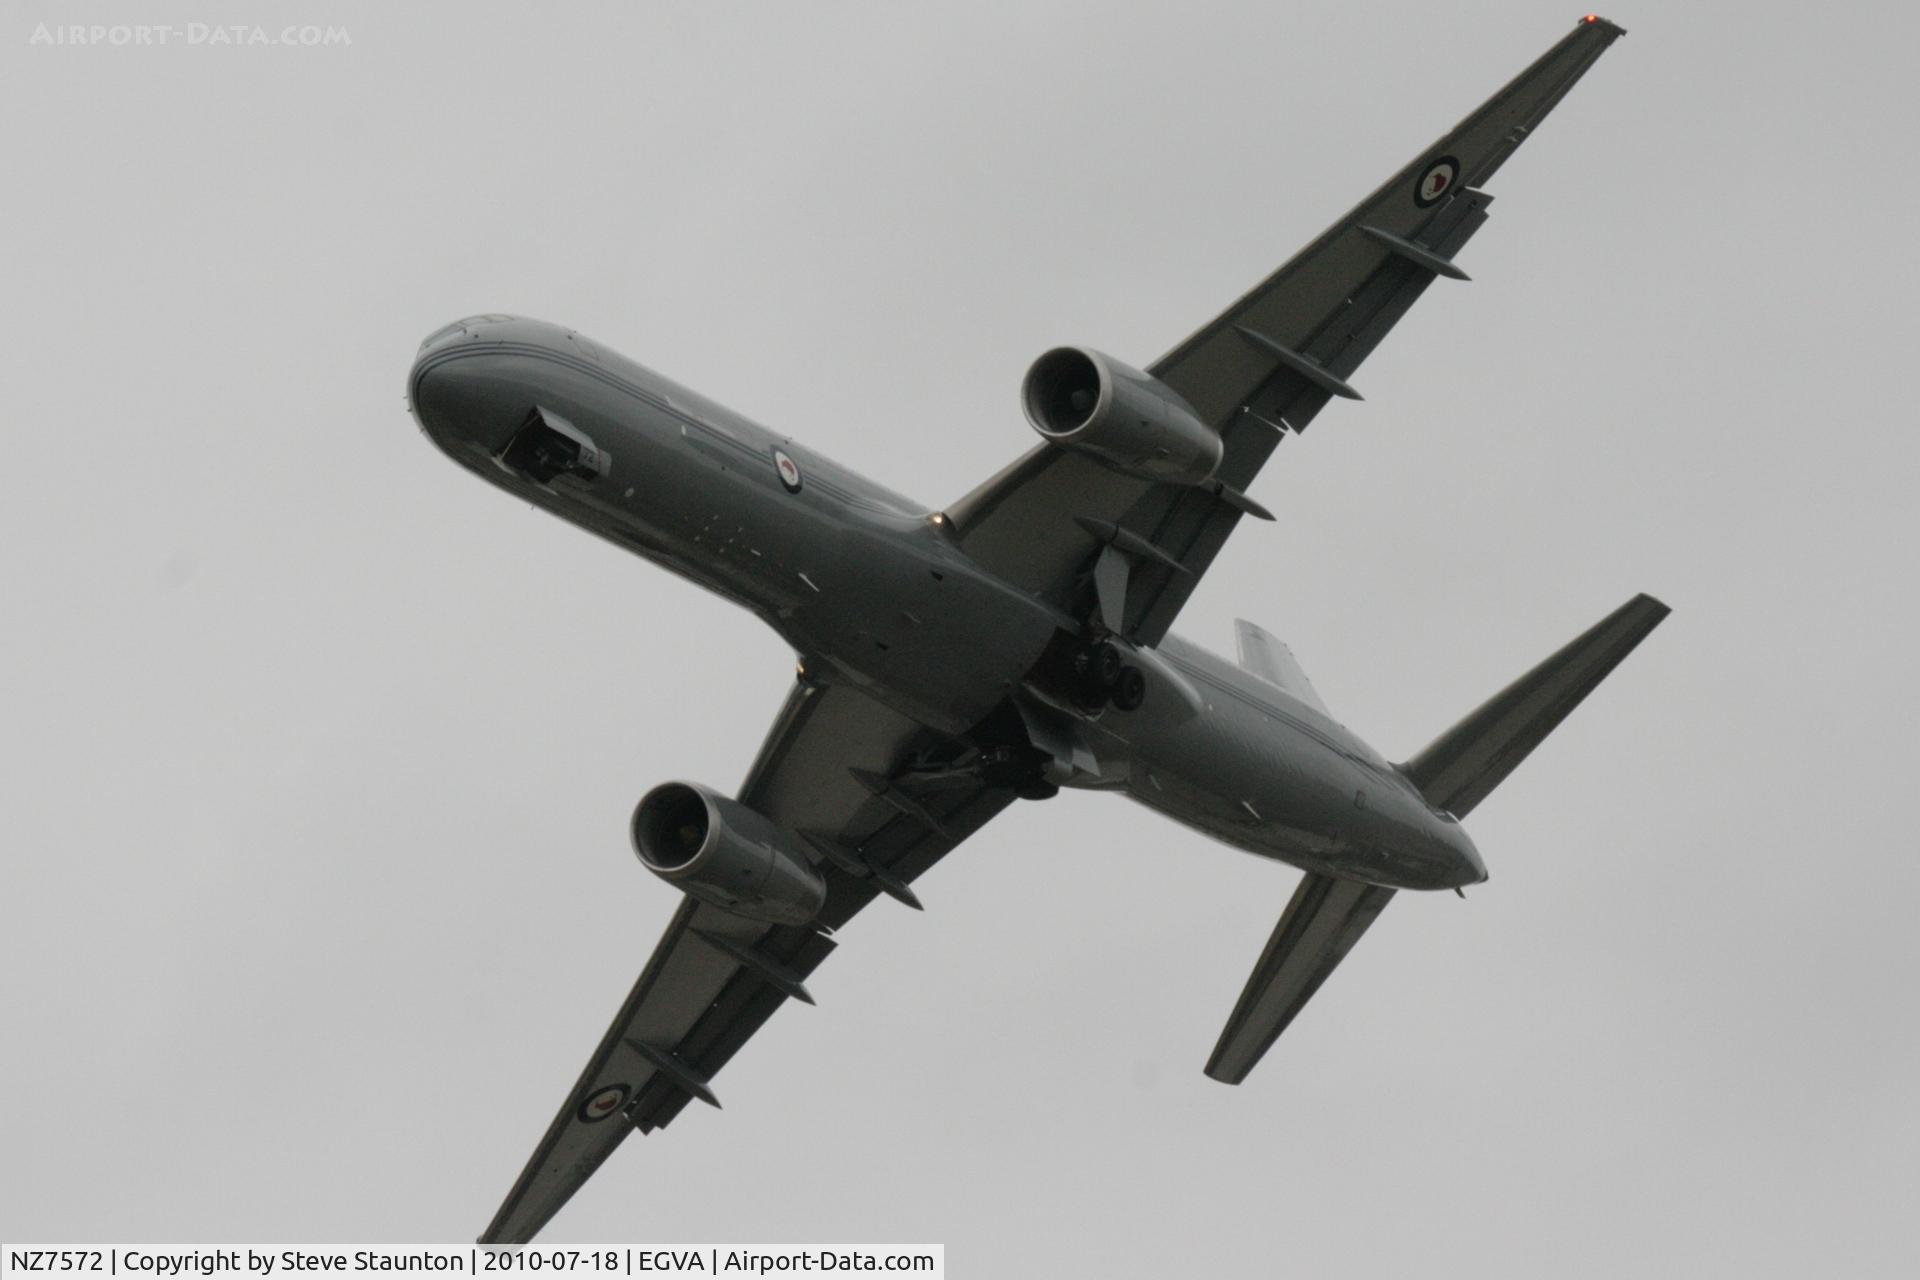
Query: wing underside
x,y
1265,367
830,774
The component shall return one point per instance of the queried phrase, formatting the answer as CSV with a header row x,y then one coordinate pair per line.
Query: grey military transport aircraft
x,y
1014,643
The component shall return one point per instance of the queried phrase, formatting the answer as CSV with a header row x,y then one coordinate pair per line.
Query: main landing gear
x,y
1103,677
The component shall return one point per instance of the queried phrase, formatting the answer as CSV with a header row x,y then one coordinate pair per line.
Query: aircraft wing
x,y
1263,368
830,768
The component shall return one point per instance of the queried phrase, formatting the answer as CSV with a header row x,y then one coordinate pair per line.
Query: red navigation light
x,y
1591,18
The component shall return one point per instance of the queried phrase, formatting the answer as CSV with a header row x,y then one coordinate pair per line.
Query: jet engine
x,y
722,852
1128,420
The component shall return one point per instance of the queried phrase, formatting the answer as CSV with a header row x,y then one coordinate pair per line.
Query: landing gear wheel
x,y
1104,664
1129,689
1037,790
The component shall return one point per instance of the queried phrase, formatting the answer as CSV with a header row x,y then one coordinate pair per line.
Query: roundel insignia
x,y
1437,181
604,1103
787,469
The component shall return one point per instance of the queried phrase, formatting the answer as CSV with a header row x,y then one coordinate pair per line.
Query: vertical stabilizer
x,y
1262,654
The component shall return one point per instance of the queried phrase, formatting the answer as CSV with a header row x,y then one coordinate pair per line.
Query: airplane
x,y
1015,642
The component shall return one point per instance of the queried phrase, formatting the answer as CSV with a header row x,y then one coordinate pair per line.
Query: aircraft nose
x,y
424,401
432,386
449,389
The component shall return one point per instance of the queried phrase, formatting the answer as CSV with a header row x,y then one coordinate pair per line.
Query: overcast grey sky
x,y
318,753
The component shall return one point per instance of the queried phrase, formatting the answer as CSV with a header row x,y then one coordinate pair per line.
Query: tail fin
x,y
1262,654
1469,760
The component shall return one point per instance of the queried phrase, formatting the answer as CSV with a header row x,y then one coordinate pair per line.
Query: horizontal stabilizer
x,y
1469,760
1320,925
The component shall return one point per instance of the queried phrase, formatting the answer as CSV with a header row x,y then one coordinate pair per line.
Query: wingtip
x,y
1653,605
1215,1073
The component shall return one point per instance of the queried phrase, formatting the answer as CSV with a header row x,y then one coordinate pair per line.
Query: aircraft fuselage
x,y
872,590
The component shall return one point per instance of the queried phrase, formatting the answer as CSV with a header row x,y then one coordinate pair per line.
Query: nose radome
x,y
449,389
473,384
429,395
424,388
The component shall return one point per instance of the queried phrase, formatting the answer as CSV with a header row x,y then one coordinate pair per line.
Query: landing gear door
x,y
549,447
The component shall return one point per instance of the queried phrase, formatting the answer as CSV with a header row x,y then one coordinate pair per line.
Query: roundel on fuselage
x,y
787,469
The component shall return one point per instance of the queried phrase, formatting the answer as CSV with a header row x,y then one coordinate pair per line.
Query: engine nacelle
x,y
722,852
1132,422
